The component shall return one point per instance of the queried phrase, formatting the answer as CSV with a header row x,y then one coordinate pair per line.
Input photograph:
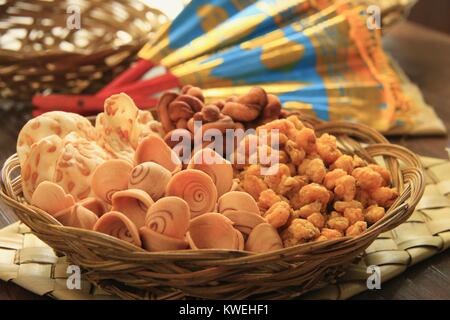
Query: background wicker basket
x,y
41,48
130,272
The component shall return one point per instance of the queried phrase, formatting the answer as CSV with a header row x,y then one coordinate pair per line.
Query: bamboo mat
x,y
30,263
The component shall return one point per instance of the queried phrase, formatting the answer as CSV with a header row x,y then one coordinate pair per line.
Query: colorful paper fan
x,y
317,55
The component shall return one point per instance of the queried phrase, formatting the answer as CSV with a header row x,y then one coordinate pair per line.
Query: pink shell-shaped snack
x,y
51,198
237,201
241,241
169,216
219,169
77,216
150,177
196,188
154,149
213,231
117,224
95,205
133,203
263,238
110,177
154,241
244,221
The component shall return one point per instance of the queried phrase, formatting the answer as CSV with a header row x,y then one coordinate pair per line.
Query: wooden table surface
x,y
425,56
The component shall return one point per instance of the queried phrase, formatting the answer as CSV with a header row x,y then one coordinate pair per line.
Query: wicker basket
x,y
133,273
42,49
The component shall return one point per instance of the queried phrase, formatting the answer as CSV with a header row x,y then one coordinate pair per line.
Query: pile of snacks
x,y
317,193
179,111
123,179
158,206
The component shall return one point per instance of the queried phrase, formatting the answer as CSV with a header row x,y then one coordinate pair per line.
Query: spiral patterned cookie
x,y
151,178
214,231
154,149
196,188
219,169
110,177
237,201
133,203
116,224
169,216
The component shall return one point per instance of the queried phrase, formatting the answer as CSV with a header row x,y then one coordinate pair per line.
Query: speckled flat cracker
x,y
74,168
143,126
120,128
40,163
79,147
57,123
108,138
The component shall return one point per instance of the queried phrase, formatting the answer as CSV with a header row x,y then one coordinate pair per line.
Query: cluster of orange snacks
x,y
317,193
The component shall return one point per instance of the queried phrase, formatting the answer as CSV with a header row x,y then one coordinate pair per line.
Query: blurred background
x,y
433,14
420,47
430,13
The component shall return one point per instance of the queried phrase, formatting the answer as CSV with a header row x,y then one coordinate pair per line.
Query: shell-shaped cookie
x,y
155,241
133,203
76,165
110,177
150,177
196,188
241,241
40,163
244,221
77,216
95,205
154,149
237,201
51,198
213,231
169,216
219,169
263,238
117,224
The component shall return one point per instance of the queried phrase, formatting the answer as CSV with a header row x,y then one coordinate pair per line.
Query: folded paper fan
x,y
317,55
